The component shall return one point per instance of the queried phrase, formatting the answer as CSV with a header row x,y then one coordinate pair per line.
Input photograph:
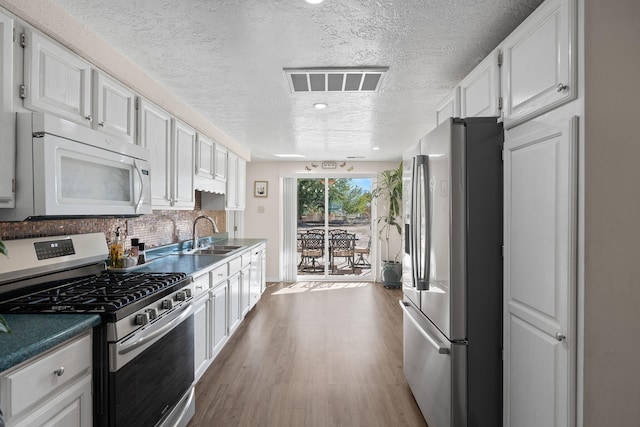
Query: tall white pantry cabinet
x,y
530,82
540,218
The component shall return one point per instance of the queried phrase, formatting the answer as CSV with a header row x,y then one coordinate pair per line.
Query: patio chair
x,y
361,253
312,250
342,246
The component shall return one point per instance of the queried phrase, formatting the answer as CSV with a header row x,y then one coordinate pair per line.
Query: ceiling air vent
x,y
335,79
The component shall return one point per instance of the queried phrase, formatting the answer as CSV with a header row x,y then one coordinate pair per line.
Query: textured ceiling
x,y
226,59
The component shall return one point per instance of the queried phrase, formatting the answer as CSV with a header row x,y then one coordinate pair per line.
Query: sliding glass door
x,y
334,227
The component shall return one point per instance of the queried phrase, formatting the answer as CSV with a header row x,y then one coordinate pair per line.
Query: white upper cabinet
x,y
539,69
183,143
7,119
480,90
211,166
114,107
236,182
154,133
449,106
205,153
232,181
56,80
221,163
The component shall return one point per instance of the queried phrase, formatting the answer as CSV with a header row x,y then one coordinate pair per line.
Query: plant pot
x,y
391,274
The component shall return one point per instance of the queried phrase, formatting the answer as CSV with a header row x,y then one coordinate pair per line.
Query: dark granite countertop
x,y
33,334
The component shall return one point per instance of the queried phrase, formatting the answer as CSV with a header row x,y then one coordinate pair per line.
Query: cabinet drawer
x,y
45,377
246,258
201,284
219,274
235,265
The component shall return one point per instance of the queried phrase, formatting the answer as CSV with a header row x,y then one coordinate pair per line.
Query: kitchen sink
x,y
215,250
210,251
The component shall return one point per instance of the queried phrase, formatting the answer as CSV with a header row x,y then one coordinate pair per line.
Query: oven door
x,y
151,370
71,178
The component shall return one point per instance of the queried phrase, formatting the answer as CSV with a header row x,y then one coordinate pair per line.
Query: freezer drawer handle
x,y
441,349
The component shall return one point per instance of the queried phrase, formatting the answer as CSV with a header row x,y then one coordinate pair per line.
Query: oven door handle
x,y
145,338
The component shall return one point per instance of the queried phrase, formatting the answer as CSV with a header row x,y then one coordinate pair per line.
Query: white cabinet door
x,y
201,335
57,80
114,107
480,90
539,69
71,408
241,184
206,178
220,295
232,181
205,153
234,311
539,274
221,163
449,106
7,118
245,290
154,133
183,143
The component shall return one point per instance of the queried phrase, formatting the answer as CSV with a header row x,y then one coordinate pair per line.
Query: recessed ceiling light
x,y
314,1
288,155
320,105
376,148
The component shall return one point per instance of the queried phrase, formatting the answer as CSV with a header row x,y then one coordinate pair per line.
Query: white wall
x,y
267,224
612,214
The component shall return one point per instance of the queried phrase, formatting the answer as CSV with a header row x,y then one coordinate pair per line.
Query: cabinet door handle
x,y
88,118
560,336
59,372
561,87
101,124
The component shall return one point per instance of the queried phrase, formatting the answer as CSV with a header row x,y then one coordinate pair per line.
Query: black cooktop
x,y
113,295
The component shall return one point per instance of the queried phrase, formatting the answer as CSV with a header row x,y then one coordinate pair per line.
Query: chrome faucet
x,y
194,243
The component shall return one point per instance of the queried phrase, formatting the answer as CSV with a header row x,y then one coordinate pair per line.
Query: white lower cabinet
x,y
245,297
201,326
219,303
256,275
235,314
223,296
540,228
52,389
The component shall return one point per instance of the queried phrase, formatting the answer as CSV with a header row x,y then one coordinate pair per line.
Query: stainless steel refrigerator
x,y
452,273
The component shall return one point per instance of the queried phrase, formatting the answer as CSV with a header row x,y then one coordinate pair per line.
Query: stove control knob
x,y
181,296
167,304
142,319
153,313
188,292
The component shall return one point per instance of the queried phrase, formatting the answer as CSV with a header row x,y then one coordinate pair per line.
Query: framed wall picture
x,y
260,188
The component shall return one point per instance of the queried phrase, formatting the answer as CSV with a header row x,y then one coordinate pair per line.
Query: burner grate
x,y
105,293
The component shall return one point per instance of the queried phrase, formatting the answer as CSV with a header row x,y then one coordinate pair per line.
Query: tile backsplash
x,y
161,227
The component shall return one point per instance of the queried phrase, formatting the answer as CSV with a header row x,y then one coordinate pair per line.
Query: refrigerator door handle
x,y
439,347
420,206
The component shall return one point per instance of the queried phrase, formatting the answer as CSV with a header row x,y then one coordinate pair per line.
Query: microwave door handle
x,y
140,196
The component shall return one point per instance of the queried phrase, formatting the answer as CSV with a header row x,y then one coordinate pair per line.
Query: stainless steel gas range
x,y
142,351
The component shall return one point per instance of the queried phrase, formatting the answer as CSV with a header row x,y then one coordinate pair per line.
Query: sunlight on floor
x,y
300,287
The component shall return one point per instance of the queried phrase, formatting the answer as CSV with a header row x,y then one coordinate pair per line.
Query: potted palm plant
x,y
388,196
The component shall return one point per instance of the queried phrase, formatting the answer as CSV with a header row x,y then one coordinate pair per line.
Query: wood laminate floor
x,y
312,354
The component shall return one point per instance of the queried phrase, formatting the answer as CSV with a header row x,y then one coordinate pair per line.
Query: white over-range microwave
x,y
66,170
